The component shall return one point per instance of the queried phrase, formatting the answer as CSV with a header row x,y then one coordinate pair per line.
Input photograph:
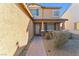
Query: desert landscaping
x,y
61,44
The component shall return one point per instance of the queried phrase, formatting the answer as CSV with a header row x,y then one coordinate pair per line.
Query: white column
x,y
42,28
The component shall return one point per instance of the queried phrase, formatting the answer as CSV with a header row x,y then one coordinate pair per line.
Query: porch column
x,y
42,27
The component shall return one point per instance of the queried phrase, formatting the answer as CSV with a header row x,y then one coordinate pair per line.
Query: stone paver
x,y
36,47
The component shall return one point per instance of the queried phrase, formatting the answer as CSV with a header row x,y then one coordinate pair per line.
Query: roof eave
x,y
44,6
25,9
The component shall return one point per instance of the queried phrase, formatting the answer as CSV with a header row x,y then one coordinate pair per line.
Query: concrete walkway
x,y
36,47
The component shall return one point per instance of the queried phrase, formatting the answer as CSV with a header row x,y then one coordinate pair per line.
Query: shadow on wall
x,y
21,51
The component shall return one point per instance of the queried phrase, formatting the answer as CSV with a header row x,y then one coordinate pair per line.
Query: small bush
x,y
48,35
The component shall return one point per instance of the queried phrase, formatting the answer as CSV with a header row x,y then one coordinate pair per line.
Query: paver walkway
x,y
36,47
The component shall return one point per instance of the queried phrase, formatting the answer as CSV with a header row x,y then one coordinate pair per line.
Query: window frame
x,y
36,12
54,12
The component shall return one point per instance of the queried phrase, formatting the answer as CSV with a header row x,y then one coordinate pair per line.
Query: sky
x,y
64,6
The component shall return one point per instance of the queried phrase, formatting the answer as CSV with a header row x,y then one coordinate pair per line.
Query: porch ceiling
x,y
50,20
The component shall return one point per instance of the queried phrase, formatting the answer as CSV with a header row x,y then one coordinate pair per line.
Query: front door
x,y
37,29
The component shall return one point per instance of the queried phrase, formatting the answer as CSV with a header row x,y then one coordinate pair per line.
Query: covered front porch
x,y
43,25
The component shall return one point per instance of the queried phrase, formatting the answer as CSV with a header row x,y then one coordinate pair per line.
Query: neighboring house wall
x,y
73,17
13,28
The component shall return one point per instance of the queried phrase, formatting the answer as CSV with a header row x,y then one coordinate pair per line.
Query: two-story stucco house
x,y
46,18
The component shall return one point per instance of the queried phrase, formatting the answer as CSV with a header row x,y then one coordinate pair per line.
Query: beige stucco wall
x,y
13,25
72,14
46,13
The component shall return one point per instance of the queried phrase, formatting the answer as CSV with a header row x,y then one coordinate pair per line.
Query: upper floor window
x,y
35,12
55,13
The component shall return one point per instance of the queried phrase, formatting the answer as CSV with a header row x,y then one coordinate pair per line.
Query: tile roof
x,y
44,6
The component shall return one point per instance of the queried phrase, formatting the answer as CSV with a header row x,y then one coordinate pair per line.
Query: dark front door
x,y
37,29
